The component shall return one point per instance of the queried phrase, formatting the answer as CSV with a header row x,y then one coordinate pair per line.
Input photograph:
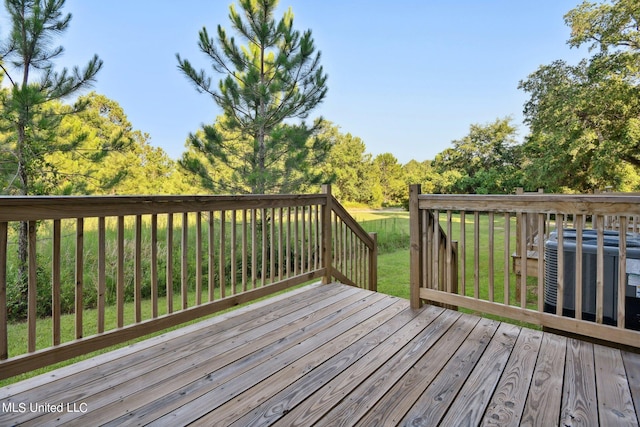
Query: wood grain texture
x,y
509,397
339,355
469,404
542,407
632,369
579,398
615,406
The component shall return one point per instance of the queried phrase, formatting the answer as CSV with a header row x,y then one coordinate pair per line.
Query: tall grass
x,y
16,303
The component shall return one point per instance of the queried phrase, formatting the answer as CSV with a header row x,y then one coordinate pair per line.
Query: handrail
x,y
355,259
160,261
577,306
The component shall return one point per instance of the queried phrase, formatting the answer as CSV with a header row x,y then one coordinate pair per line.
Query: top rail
x,y
34,208
540,203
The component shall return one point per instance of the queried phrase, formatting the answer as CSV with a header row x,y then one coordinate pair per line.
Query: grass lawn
x,y
393,273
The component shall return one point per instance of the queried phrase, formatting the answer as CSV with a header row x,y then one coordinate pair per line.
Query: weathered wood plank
x,y
508,400
469,405
230,382
338,355
356,342
235,352
87,379
615,406
579,405
372,388
543,403
632,368
378,343
317,404
436,399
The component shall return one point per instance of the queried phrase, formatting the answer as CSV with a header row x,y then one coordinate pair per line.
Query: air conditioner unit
x,y
589,276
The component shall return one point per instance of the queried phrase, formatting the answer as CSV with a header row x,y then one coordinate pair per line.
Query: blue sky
x,y
406,76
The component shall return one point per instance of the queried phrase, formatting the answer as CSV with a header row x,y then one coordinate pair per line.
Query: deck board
x,y
337,355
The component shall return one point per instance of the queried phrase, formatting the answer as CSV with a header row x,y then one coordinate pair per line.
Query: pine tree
x,y
29,123
275,76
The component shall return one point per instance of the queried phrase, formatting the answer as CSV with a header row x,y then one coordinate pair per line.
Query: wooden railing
x,y
588,281
104,270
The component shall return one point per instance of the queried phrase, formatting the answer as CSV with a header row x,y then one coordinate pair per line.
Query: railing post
x,y
327,240
415,249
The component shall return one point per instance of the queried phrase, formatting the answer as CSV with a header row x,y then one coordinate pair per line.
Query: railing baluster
x,y
102,274
154,266
272,246
280,246
169,270
32,314
578,269
198,258
622,273
449,261
55,285
120,273
541,272
221,254
234,254
138,270
184,262
263,273
245,248
211,267
600,271
4,338
317,238
79,276
302,239
296,240
560,252
427,249
491,257
476,254
309,237
524,259
462,255
288,241
254,249
507,254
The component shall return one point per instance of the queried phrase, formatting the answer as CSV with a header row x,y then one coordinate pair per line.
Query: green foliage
x,y
349,165
487,160
389,187
584,119
28,119
274,77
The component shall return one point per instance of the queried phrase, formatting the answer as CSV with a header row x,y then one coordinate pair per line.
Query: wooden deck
x,y
336,355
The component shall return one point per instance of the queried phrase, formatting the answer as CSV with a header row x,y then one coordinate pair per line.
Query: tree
x,y
390,185
275,76
607,26
585,118
420,173
350,166
29,123
112,157
487,160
